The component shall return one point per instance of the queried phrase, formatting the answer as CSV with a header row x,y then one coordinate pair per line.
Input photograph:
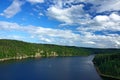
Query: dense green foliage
x,y
108,64
13,48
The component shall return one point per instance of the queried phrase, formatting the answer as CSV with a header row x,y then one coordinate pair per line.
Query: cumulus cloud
x,y
115,17
16,37
103,23
102,5
72,12
101,18
66,12
109,5
8,26
35,1
109,25
43,34
70,15
63,37
13,9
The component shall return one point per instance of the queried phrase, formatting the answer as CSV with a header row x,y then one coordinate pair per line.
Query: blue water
x,y
59,68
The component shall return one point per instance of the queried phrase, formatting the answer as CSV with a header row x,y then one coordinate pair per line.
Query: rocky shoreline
x,y
16,58
37,55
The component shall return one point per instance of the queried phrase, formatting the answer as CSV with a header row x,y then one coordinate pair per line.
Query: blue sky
x,y
83,23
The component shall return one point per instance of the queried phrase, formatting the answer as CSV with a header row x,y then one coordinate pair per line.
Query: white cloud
x,y
16,37
8,26
13,9
109,5
108,41
101,18
45,39
56,33
44,34
41,14
70,15
115,17
61,37
98,5
64,11
35,1
102,23
59,14
102,5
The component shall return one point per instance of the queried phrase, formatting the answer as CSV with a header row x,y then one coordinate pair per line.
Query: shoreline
x,y
17,58
104,76
33,56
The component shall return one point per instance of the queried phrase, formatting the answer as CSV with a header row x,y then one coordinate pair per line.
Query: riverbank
x,y
37,55
107,66
105,77
32,56
16,58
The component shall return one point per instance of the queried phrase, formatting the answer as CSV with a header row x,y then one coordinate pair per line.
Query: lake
x,y
55,68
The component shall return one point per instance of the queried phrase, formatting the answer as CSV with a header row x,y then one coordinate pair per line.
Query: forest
x,y
19,49
15,48
108,65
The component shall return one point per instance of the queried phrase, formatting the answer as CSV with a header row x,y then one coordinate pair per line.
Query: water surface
x,y
59,68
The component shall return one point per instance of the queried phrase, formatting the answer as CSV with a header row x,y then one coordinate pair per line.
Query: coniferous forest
x,y
108,65
13,48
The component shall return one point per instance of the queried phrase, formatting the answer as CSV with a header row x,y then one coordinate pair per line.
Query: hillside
x,y
14,48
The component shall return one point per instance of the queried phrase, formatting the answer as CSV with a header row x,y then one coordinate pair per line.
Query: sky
x,y
82,23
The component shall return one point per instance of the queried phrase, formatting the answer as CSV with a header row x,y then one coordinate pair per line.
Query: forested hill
x,y
19,49
14,48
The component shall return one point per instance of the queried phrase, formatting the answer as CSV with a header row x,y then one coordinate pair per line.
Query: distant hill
x,y
10,49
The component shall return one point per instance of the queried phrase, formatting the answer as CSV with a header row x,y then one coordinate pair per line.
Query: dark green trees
x,y
109,64
13,48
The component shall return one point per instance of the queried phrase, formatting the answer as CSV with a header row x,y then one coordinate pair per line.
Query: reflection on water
x,y
60,68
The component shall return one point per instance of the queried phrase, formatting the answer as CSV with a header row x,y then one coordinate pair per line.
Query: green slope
x,y
14,48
